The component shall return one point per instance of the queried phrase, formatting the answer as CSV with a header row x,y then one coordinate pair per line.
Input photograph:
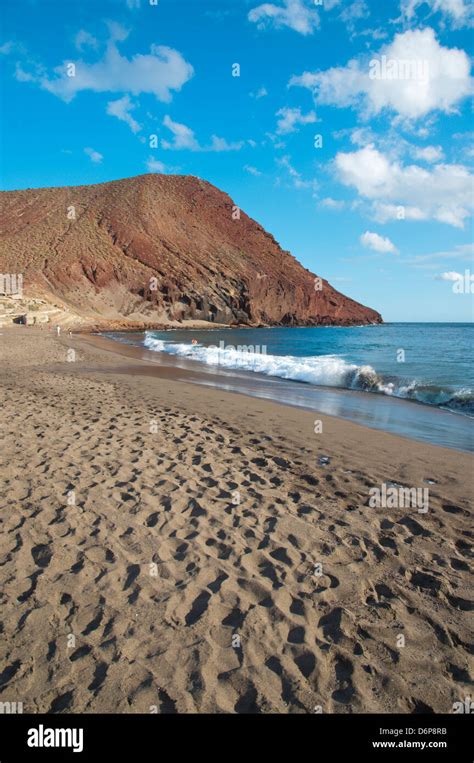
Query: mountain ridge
x,y
155,250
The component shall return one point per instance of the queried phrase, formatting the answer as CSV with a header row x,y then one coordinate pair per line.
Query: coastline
x,y
114,325
405,418
154,464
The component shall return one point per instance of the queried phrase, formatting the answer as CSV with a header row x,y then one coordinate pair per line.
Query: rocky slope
x,y
156,249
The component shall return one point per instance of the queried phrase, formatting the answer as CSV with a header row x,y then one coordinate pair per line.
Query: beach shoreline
x,y
409,419
155,520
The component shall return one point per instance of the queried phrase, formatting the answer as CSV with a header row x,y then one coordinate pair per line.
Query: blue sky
x,y
380,203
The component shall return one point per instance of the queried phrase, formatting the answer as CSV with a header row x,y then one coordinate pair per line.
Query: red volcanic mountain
x,y
156,249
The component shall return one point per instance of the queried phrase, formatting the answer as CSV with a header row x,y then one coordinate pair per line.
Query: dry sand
x,y
133,580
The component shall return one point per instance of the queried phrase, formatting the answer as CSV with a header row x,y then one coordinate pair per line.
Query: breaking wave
x,y
323,370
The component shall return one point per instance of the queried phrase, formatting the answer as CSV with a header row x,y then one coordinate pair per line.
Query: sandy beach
x,y
168,547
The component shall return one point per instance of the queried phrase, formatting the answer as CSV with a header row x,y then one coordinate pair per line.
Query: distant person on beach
x,y
58,330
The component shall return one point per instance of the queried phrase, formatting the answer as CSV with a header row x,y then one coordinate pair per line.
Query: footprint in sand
x,y
42,555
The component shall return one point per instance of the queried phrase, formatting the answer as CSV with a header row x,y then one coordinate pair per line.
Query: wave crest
x,y
323,370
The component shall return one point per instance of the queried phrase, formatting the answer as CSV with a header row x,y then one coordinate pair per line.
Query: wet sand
x,y
407,418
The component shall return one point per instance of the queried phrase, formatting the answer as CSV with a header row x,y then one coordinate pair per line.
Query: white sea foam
x,y
324,370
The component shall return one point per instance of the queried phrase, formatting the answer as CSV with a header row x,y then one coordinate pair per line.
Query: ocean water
x,y
430,364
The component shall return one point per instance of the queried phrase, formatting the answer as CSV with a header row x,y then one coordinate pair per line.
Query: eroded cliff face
x,y
160,248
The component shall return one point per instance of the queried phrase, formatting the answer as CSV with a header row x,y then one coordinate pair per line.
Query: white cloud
x,y
424,76
458,11
184,138
286,163
367,169
121,109
460,252
428,153
333,204
153,165
35,68
220,144
252,170
94,156
260,93
443,192
7,48
291,118
352,12
23,76
117,32
84,39
378,243
359,136
159,72
277,142
392,142
10,47
297,180
298,15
